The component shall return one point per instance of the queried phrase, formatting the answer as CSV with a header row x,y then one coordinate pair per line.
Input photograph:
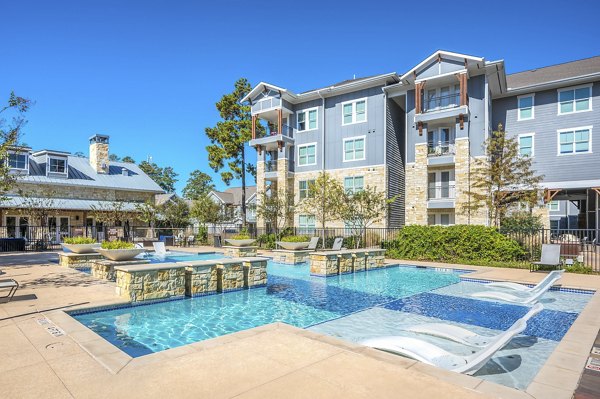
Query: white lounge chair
x,y
524,296
10,284
337,244
550,256
312,245
554,275
159,249
434,355
464,336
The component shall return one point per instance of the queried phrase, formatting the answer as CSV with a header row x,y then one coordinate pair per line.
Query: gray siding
x,y
394,163
545,124
435,68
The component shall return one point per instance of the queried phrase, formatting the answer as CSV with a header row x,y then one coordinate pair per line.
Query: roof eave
x,y
551,84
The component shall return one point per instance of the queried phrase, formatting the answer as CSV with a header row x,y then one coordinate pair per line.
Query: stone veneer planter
x,y
81,248
240,243
239,252
150,281
200,277
105,269
120,254
331,263
73,260
290,257
292,246
255,272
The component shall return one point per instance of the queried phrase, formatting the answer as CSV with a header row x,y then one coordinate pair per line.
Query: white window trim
x,y
303,146
557,208
306,111
573,129
353,102
353,186
532,135
59,158
532,107
558,91
26,154
364,138
17,223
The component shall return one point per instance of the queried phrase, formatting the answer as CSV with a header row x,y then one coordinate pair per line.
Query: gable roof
x,y
81,173
435,55
233,195
554,73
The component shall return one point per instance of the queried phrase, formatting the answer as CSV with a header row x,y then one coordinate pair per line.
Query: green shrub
x,y
348,242
295,239
266,241
79,240
117,245
454,244
202,236
521,221
579,268
242,235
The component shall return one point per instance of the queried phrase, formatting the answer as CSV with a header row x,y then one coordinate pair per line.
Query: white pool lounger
x,y
464,336
552,277
434,355
530,295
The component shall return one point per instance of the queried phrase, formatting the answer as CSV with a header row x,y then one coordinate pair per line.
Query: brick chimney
x,y
99,153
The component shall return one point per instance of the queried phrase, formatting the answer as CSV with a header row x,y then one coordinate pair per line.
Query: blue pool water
x,y
353,307
173,256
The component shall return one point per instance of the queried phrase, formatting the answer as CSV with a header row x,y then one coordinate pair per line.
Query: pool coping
x,y
557,378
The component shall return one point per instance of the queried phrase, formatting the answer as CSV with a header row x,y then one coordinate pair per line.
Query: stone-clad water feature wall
x,y
332,263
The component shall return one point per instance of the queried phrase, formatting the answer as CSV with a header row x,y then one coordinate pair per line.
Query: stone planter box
x,y
290,257
332,263
293,246
230,275
150,281
120,254
81,248
239,252
200,277
240,243
105,269
73,260
255,272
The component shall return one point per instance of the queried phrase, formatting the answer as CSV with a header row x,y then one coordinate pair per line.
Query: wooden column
x,y
462,80
253,127
279,121
419,97
549,194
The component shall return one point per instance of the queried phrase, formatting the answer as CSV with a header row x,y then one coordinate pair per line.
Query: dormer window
x,y
57,165
18,160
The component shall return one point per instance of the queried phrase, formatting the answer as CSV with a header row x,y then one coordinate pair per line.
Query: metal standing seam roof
x,y
81,173
15,201
554,73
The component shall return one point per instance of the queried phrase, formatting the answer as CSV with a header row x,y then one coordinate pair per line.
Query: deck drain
x,y
54,345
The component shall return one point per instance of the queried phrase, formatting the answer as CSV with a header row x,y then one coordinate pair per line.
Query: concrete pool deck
x,y
44,352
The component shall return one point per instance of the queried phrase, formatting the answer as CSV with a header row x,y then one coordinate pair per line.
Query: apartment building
x,y
418,135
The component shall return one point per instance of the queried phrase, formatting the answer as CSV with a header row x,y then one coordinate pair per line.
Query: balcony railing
x,y
436,103
271,166
440,148
286,130
445,191
265,104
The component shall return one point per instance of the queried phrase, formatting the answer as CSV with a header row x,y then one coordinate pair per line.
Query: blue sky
x,y
148,73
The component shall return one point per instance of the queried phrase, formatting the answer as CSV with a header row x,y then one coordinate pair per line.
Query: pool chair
x,y
553,277
524,296
434,355
159,249
337,244
464,336
550,257
312,245
10,284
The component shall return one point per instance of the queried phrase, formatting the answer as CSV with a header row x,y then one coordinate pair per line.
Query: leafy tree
x,y
111,213
10,133
79,154
113,157
325,199
229,136
148,212
276,208
164,177
128,159
504,178
176,213
199,184
522,221
363,208
208,212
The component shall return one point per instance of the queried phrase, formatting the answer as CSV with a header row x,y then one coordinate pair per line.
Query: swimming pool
x,y
352,307
180,256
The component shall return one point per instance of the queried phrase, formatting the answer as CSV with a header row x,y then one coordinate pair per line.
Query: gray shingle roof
x,y
81,173
553,73
233,195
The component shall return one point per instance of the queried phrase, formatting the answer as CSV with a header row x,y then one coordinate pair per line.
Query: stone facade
x,y
416,187
105,269
230,275
544,213
255,272
333,263
99,156
239,252
290,257
73,260
146,282
260,188
200,278
465,166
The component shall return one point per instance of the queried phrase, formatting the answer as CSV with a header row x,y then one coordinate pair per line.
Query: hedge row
x,y
453,244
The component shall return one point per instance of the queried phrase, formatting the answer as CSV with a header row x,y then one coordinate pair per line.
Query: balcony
x,y
440,148
269,140
441,197
437,103
440,108
265,105
271,166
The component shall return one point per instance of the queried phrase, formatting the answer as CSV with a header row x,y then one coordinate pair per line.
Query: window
x,y
352,185
303,186
307,154
554,206
306,223
17,160
440,185
576,140
354,111
440,219
577,99
525,107
526,145
354,149
307,120
58,165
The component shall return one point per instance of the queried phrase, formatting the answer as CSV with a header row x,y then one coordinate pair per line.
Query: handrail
x,y
440,102
437,148
445,191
